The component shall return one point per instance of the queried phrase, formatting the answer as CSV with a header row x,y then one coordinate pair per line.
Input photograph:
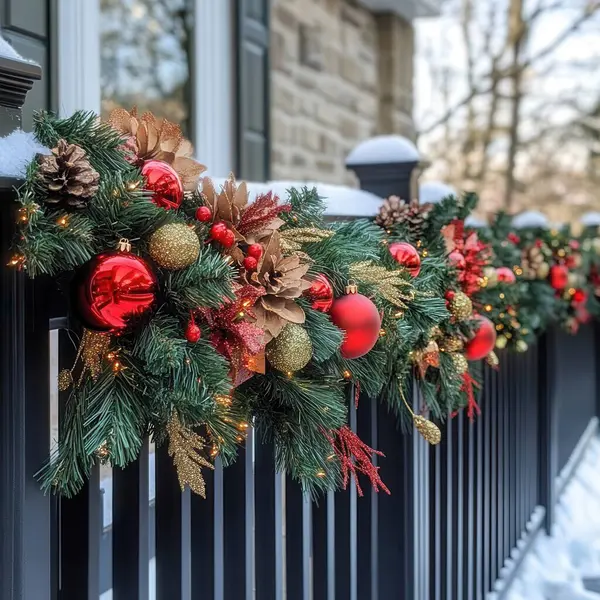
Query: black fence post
x,y
548,427
24,573
386,166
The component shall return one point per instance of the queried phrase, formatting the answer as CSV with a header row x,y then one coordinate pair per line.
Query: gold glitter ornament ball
x,y
460,306
174,246
461,364
291,350
430,431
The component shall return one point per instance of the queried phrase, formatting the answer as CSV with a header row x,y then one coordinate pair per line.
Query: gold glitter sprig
x,y
389,284
292,239
185,447
92,350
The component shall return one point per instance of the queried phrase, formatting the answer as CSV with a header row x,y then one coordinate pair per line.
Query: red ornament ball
x,y
320,293
164,182
112,288
579,296
250,263
358,317
193,333
203,214
218,230
514,238
227,239
483,342
407,256
505,275
255,251
559,277
457,260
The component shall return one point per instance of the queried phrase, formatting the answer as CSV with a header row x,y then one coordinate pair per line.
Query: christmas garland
x,y
203,312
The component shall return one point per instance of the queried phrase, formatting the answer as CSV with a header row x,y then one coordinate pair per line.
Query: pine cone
x,y
531,260
395,210
68,176
392,211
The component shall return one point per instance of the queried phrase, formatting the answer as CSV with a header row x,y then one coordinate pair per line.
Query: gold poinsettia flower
x,y
150,138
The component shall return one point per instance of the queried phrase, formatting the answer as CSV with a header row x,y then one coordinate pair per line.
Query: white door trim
x,y
78,45
214,86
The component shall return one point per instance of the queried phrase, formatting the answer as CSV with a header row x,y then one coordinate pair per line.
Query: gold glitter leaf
x,y
185,447
390,285
292,239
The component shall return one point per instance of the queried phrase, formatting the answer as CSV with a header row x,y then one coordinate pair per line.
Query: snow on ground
x,y
559,564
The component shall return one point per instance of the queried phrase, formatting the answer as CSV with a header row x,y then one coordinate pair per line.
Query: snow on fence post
x,y
387,165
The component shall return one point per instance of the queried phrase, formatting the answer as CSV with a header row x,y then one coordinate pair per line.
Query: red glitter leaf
x,y
261,213
355,457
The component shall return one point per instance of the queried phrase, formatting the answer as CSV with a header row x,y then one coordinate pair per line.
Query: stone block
x,y
311,50
284,16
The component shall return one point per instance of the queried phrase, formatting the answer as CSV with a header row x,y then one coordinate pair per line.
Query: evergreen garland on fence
x,y
203,314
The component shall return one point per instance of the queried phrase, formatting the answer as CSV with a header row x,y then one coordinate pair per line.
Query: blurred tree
x,y
509,80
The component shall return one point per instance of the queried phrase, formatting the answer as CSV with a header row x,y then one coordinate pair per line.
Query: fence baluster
x,y
173,541
130,530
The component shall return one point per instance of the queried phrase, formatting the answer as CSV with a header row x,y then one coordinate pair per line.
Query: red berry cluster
x,y
255,251
220,233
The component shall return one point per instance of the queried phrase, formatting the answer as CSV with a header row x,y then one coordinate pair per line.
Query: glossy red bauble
x,y
484,341
164,182
193,333
457,260
320,293
579,296
358,317
505,275
227,239
559,277
407,256
255,251
250,263
111,289
514,238
203,214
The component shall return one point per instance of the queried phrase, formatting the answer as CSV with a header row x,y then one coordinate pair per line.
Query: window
x,y
146,58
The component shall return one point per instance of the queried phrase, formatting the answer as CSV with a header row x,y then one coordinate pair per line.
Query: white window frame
x,y
78,76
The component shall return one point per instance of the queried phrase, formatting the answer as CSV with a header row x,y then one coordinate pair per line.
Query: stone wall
x,y
339,74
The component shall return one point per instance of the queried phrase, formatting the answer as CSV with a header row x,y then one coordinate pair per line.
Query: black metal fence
x,y
459,520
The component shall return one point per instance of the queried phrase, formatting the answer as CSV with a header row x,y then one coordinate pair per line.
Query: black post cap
x,y
387,165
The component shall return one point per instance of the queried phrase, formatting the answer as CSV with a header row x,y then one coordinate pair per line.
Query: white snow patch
x,y
8,51
474,222
341,201
556,567
591,219
383,149
433,192
17,150
530,218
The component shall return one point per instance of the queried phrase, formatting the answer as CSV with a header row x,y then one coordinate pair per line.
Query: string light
x,y
561,253
571,291
321,474
419,243
488,307
223,400
502,315
501,296
62,222
399,314
16,261
133,185
424,254
499,327
382,333
483,282
347,375
246,303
